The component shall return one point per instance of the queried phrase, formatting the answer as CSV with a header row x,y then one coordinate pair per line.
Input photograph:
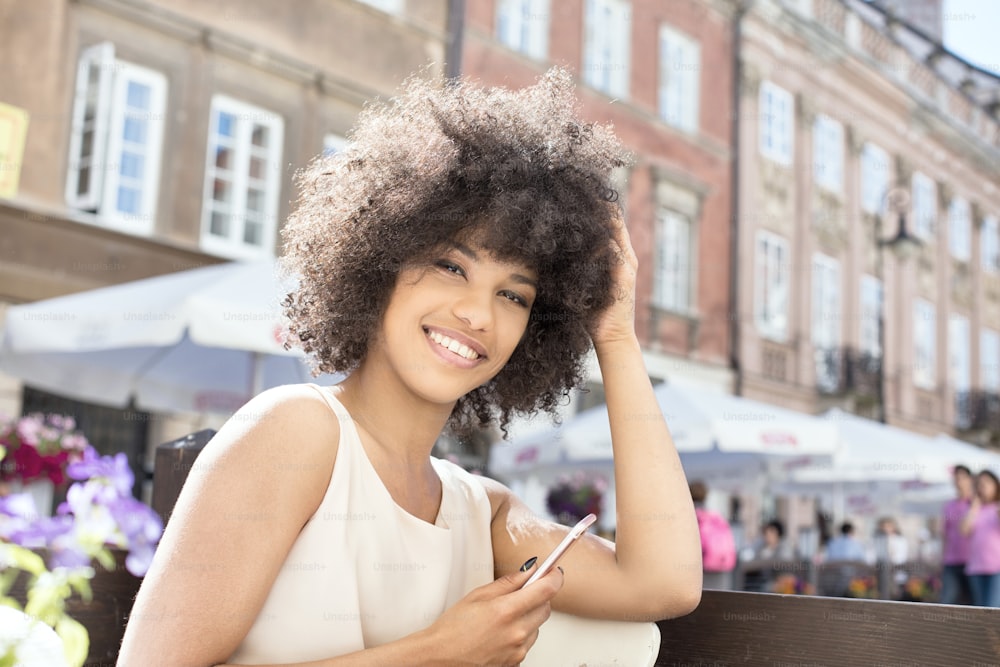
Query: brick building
x,y
164,136
662,73
842,102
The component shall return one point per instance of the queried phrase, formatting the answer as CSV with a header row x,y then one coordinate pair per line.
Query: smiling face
x,y
451,324
986,487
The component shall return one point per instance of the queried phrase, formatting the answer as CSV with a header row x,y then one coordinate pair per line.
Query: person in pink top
x,y
954,582
982,525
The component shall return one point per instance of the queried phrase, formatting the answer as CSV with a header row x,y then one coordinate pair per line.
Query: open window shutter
x,y
779,293
88,139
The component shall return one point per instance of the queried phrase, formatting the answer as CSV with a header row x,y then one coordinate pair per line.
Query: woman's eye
x,y
516,298
450,267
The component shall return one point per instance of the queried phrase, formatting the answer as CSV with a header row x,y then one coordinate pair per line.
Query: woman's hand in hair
x,y
617,322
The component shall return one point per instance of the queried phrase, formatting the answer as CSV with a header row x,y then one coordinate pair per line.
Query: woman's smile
x,y
455,348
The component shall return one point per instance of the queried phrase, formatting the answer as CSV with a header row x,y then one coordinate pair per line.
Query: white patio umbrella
x,y
207,339
719,436
889,466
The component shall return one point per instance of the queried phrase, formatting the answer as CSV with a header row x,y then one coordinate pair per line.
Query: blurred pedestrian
x,y
771,544
845,546
982,525
889,545
955,550
718,547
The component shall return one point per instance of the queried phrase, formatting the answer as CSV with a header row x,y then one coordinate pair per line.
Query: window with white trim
x,y
828,153
523,25
924,344
672,270
826,320
989,244
771,281
869,343
960,229
875,169
333,144
607,31
960,366
680,73
242,180
387,6
116,140
989,360
776,123
924,206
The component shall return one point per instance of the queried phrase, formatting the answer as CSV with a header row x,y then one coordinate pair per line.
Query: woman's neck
x,y
402,425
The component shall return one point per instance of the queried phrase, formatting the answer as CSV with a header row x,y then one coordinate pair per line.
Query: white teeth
x,y
453,345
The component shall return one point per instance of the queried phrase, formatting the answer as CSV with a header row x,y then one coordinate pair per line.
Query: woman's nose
x,y
475,308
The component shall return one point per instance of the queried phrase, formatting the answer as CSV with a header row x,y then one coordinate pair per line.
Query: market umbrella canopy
x,y
872,451
207,339
713,431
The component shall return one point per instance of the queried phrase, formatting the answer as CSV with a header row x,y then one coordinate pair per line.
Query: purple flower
x,y
115,470
20,505
41,532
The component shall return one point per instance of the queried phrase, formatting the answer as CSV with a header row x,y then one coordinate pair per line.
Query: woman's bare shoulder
x,y
287,429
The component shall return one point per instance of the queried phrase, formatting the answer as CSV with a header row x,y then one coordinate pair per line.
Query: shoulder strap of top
x,y
343,416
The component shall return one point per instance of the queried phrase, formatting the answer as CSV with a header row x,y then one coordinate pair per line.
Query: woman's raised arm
x,y
654,569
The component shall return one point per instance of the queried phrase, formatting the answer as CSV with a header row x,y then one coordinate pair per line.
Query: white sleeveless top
x,y
363,571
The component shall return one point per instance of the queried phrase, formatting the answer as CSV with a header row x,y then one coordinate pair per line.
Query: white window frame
x,y
777,123
989,245
680,77
960,229
874,174
959,366
333,143
959,344
826,317
924,205
109,95
673,270
924,344
989,360
607,32
870,309
828,154
771,286
387,6
246,117
523,25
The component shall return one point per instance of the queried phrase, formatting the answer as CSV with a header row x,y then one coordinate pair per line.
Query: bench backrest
x,y
730,628
735,628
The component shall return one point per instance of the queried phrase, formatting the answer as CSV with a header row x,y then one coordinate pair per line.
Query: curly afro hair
x,y
516,170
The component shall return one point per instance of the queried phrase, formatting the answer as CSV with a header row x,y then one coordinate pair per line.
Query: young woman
x,y
954,581
982,525
458,260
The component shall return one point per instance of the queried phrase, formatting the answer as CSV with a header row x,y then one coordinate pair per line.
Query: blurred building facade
x,y
840,102
662,74
163,136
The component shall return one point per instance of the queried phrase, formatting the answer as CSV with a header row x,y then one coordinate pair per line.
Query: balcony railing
x,y
845,370
980,410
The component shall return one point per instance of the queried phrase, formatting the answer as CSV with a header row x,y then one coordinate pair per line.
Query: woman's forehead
x,y
474,245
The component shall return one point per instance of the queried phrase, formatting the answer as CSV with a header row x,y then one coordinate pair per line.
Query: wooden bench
x,y
736,628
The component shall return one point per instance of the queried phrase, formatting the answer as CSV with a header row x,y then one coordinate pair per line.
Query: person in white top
x,y
845,546
458,260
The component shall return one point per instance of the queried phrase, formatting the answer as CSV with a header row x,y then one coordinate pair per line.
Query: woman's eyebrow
x,y
516,277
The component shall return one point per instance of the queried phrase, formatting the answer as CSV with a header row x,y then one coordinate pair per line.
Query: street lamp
x,y
904,246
